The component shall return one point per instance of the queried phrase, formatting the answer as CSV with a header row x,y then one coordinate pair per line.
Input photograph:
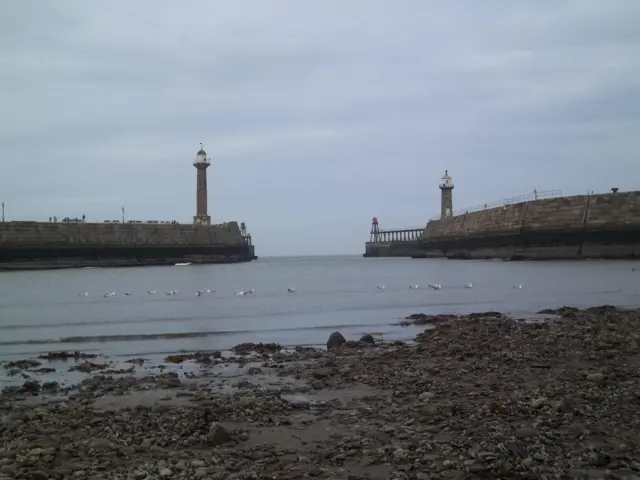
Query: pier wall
x,y
582,226
392,249
400,242
36,245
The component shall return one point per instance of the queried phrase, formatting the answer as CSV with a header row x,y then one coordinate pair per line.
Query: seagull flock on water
x,y
199,293
438,286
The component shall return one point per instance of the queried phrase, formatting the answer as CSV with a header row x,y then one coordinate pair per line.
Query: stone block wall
x,y
46,234
556,214
594,226
405,249
549,214
502,219
620,210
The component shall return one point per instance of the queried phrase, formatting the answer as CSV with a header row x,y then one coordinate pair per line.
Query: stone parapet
x,y
40,245
40,234
593,226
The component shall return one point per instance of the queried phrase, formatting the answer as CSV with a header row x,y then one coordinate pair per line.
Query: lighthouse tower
x,y
201,163
446,187
375,231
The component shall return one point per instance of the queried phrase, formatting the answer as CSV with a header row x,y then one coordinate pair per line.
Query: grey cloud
x,y
318,115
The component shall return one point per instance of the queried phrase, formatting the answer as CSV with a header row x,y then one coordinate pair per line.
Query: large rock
x,y
31,386
336,341
218,435
368,339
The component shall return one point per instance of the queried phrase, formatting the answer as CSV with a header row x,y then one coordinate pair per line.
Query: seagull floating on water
x,y
291,290
382,288
151,292
85,294
127,293
518,286
112,294
468,285
211,290
414,286
241,292
198,293
171,292
435,286
253,290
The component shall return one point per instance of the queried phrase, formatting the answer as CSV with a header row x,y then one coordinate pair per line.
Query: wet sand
x,y
478,396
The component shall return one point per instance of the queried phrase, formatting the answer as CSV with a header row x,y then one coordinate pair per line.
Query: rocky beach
x,y
476,396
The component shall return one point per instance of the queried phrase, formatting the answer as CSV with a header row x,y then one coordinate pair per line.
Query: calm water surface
x,y
42,311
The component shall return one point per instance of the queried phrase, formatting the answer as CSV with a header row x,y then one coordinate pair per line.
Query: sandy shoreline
x,y
478,396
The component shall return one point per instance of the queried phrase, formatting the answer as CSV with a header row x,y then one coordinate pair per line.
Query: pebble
x,y
426,396
595,377
477,396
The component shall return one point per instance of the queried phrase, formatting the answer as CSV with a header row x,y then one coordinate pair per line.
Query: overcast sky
x,y
318,115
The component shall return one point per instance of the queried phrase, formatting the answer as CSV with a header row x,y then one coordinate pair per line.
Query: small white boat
x,y
183,264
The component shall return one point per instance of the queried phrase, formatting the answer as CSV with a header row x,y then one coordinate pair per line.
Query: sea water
x,y
42,311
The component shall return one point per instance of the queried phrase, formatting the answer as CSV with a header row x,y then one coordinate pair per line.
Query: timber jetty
x,y
539,226
76,243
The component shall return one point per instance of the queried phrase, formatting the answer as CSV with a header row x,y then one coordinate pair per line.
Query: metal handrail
x,y
393,230
508,201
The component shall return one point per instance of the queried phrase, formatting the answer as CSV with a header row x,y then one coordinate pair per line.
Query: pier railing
x,y
407,229
126,222
529,197
399,235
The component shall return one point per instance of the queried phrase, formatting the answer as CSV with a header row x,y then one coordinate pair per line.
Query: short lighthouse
x,y
201,163
446,203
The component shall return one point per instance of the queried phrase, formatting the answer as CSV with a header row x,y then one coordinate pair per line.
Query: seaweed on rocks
x,y
559,311
424,319
198,357
88,367
22,364
67,356
259,348
571,311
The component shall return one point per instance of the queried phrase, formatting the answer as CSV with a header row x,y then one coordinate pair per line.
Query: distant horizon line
x,y
263,257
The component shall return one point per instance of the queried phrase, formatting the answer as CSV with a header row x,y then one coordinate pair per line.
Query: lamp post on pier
x,y
122,214
2,212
